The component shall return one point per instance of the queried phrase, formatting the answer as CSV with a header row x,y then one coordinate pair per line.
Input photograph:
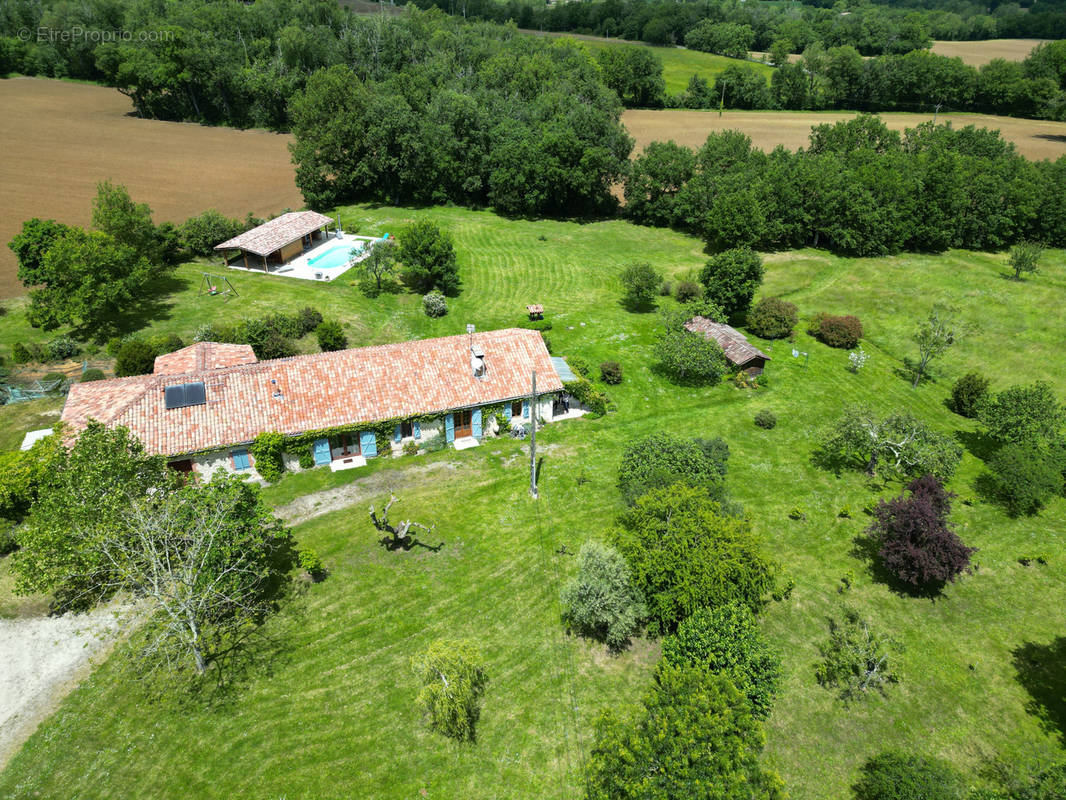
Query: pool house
x,y
276,242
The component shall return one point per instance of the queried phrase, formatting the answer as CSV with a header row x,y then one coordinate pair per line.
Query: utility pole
x,y
533,438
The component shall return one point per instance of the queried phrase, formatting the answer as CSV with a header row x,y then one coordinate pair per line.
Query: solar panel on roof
x,y
174,396
185,394
195,394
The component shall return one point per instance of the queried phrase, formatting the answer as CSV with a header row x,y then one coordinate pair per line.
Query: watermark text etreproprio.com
x,y
92,35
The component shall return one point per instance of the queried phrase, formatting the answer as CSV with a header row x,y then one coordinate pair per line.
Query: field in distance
x,y
61,139
1036,139
679,63
977,53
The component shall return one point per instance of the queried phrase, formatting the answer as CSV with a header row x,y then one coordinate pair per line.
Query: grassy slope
x,y
334,715
680,64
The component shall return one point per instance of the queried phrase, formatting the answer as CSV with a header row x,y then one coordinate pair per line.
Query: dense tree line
x,y
841,78
871,28
858,189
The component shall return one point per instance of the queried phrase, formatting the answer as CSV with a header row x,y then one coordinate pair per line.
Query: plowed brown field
x,y
1035,139
60,139
977,53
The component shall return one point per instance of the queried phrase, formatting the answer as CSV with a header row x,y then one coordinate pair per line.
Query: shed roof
x,y
314,392
276,233
735,344
562,369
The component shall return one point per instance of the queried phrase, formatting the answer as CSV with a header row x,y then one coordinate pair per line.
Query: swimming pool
x,y
336,256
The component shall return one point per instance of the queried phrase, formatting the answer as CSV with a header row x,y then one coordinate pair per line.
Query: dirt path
x,y
314,505
42,659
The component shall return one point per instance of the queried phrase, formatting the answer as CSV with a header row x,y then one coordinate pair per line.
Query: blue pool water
x,y
336,256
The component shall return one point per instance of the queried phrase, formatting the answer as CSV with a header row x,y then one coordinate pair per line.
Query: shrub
x,y
579,366
307,458
601,600
284,325
163,343
61,348
19,353
641,283
856,660
206,333
268,450
1023,477
453,678
666,289
1023,414
428,255
410,448
8,542
536,325
311,563
91,375
135,357
611,373
907,776
434,304
731,279
687,291
773,318
434,443
330,336
843,332
688,357
199,235
692,737
727,639
685,554
915,542
662,459
968,394
307,319
588,395
766,419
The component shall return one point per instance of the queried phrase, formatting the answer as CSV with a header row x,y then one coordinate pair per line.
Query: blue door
x,y
368,443
417,429
321,451
449,428
397,434
475,423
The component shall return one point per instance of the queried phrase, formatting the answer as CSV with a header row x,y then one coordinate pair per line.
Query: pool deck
x,y
300,267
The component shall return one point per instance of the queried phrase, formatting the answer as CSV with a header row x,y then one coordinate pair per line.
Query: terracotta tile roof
x,y
203,355
276,233
312,392
735,344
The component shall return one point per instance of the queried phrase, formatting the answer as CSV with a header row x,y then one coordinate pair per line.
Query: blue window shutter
x,y
449,428
417,429
321,451
240,459
525,409
368,443
397,435
475,423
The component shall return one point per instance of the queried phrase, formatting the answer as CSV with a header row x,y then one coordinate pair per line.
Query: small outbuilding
x,y
278,241
738,350
535,311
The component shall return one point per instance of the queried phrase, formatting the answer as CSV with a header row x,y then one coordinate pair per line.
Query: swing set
x,y
211,286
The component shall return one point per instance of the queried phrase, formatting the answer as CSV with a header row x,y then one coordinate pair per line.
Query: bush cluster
x,y
268,450
726,639
61,348
843,332
92,374
611,373
915,541
773,318
766,419
662,459
588,395
968,393
601,601
330,336
687,291
136,356
434,304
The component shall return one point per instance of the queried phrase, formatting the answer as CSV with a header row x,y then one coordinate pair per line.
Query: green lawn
x,y
333,714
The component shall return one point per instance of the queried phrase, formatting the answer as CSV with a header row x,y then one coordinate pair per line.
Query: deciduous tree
x,y
428,255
